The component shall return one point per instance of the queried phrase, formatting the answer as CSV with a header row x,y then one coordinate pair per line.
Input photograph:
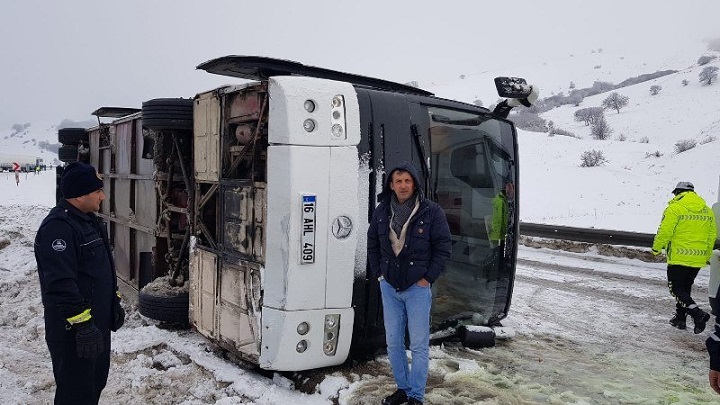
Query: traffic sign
x,y
16,166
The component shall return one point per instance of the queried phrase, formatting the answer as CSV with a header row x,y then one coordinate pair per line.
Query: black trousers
x,y
680,282
78,381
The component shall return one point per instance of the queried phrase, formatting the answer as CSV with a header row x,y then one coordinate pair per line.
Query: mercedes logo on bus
x,y
341,227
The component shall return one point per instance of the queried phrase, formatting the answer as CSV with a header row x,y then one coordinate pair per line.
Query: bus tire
x,y
477,339
166,308
68,153
168,114
72,136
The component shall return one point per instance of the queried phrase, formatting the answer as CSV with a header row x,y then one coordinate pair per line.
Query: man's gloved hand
x,y
118,315
88,340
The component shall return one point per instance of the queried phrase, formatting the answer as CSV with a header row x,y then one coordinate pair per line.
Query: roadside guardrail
x,y
590,235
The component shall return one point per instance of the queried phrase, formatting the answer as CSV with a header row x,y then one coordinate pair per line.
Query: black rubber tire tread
x,y
168,114
158,124
173,308
165,102
177,115
72,136
476,340
164,108
68,153
182,115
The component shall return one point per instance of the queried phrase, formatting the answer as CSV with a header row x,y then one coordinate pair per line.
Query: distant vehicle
x,y
25,163
243,210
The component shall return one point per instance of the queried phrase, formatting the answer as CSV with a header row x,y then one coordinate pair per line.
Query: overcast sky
x,y
65,59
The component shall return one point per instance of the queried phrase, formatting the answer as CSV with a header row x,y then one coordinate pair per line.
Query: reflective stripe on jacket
x,y
687,231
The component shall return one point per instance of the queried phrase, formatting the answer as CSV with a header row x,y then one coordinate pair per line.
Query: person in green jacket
x,y
687,234
501,212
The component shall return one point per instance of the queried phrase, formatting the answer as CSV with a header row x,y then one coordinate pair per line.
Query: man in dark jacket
x,y
79,289
408,244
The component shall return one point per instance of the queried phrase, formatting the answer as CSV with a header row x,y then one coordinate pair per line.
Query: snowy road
x,y
590,329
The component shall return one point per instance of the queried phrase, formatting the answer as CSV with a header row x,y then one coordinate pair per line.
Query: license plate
x,y
307,242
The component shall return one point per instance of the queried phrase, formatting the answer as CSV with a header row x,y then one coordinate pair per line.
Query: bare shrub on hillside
x,y
708,75
655,89
589,115
705,59
685,82
656,154
644,139
600,129
707,139
684,145
592,158
622,137
616,101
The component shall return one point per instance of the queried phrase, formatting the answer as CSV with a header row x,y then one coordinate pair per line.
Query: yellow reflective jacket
x,y
499,217
687,231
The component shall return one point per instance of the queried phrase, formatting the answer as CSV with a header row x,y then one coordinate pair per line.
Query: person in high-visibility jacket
x,y
687,234
501,212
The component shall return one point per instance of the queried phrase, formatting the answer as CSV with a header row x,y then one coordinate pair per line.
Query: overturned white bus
x,y
243,210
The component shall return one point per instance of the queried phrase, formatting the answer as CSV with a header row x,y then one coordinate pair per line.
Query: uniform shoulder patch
x,y
59,245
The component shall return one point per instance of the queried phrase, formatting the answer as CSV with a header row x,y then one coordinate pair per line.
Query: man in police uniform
x,y
687,234
79,289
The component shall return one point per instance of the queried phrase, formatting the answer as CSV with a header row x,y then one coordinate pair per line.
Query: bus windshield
x,y
473,180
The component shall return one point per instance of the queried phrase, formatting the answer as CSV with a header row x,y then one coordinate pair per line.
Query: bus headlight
x,y
309,106
309,125
337,130
332,327
337,101
303,328
337,117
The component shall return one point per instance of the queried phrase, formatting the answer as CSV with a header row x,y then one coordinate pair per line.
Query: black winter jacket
x,y
76,271
427,242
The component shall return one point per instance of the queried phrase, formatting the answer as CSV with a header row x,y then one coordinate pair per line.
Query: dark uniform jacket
x,y
76,271
427,242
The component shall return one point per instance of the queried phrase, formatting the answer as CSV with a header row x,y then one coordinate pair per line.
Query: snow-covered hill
x,y
630,191
38,140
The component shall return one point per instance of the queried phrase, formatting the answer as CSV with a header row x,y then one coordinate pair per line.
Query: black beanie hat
x,y
79,179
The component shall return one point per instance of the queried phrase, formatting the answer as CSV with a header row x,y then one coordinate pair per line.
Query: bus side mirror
x,y
512,87
517,93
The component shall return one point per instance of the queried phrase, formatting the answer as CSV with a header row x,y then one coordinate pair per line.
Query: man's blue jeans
x,y
412,308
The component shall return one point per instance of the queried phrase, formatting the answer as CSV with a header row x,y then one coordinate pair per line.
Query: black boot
x,y
678,320
396,398
700,318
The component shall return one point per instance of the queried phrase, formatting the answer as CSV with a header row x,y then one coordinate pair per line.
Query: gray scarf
x,y
401,212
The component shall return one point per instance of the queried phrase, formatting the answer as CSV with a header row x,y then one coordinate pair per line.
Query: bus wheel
x,y
477,337
72,136
168,114
165,307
